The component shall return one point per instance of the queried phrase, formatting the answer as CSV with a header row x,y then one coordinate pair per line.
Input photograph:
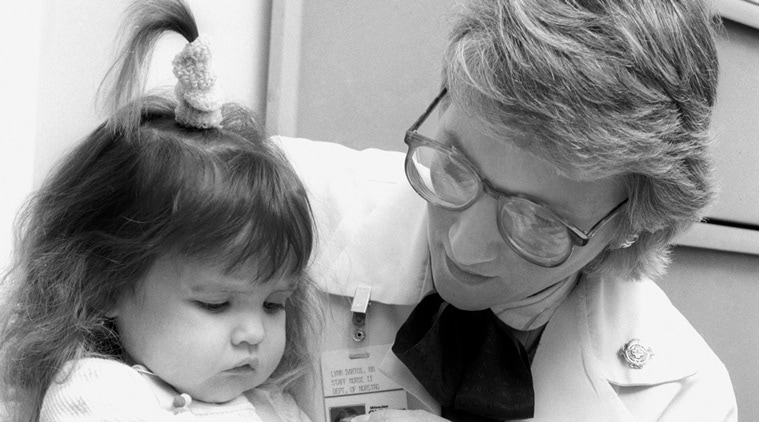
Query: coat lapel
x,y
568,377
581,344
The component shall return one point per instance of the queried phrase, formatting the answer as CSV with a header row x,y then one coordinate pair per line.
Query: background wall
x,y
356,72
18,84
58,52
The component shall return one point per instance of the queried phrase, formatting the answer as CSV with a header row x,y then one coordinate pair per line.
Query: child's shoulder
x,y
93,368
97,389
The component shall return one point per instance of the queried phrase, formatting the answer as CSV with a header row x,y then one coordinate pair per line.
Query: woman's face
x,y
473,268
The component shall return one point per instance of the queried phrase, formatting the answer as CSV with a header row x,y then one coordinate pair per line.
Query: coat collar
x,y
383,246
619,311
578,368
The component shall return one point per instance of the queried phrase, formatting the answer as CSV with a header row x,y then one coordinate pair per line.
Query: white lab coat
x,y
371,231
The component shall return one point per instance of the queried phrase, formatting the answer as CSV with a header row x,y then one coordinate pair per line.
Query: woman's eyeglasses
x,y
446,178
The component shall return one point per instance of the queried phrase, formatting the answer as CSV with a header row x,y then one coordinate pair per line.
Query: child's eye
x,y
274,306
213,307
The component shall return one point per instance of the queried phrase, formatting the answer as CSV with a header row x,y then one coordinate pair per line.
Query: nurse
x,y
571,147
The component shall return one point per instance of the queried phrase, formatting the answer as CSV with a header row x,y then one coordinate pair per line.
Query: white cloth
x,y
94,389
370,227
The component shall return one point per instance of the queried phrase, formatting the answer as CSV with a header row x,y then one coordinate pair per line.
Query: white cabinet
x,y
733,223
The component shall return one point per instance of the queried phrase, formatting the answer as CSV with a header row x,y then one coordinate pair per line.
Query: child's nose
x,y
249,330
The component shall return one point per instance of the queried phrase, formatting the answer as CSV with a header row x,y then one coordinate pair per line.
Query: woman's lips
x,y
461,275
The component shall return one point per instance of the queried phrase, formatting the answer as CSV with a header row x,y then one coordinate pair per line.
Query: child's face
x,y
208,334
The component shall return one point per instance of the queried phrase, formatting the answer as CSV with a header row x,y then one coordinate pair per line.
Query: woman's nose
x,y
249,330
474,235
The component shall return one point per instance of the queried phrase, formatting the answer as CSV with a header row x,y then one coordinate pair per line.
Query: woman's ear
x,y
627,242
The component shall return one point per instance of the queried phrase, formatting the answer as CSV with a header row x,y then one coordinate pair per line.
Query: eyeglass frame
x,y
414,139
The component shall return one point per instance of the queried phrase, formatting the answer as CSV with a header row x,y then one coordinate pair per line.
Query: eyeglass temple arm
x,y
427,112
581,238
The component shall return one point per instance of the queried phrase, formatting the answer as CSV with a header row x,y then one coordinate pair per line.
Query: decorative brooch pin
x,y
636,354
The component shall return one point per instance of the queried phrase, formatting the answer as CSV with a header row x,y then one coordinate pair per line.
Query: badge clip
x,y
359,308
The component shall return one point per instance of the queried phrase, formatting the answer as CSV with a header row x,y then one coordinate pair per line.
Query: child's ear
x,y
112,309
112,312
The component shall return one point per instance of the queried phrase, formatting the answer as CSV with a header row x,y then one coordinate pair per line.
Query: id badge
x,y
353,384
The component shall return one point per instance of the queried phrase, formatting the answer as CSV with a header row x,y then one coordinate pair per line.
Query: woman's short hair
x,y
601,89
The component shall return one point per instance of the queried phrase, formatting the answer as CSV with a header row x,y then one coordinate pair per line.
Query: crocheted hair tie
x,y
199,103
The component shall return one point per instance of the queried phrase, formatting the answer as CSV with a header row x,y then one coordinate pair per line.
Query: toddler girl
x,y
160,273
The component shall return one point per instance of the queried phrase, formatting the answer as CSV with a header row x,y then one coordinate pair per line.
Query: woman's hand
x,y
393,415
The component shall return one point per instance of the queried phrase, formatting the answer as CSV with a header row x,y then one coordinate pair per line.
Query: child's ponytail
x,y
124,85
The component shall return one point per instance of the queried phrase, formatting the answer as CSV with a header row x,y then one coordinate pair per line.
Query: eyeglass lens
x,y
446,179
532,230
443,179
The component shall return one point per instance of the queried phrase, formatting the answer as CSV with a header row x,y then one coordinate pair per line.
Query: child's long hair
x,y
140,186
